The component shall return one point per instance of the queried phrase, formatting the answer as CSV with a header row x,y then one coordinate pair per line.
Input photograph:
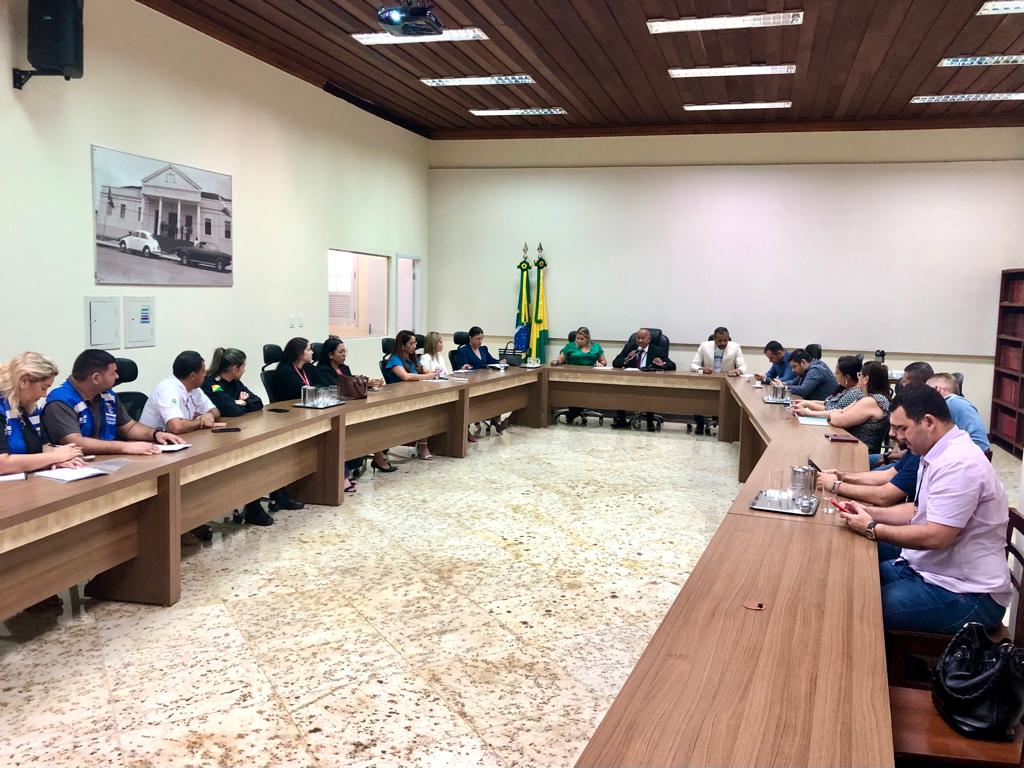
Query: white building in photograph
x,y
168,204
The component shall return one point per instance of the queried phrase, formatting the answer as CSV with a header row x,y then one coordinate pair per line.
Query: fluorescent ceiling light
x,y
953,98
660,26
981,61
756,69
448,36
510,112
440,82
1001,6
739,105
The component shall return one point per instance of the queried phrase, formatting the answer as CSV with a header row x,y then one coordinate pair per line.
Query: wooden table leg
x,y
728,415
154,575
455,441
537,414
751,446
327,485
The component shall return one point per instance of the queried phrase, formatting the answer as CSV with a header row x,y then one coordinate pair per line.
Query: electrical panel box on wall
x,y
139,321
103,322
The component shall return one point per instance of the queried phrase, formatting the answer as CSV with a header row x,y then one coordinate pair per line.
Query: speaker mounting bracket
x,y
22,76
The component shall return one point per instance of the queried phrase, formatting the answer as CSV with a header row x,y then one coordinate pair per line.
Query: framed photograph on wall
x,y
159,222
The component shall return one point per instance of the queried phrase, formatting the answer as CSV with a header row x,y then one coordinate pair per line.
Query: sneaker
x,y
255,514
283,501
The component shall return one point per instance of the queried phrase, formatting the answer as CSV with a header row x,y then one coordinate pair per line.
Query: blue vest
x,y
14,430
68,395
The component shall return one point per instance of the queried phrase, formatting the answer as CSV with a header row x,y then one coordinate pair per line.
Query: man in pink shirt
x,y
943,561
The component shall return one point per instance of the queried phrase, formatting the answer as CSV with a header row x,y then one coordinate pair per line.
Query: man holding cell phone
x,y
943,559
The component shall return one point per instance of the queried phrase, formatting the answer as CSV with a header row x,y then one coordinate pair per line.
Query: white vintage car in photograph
x,y
139,241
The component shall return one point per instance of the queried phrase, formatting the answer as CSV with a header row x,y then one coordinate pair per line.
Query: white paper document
x,y
12,477
172,447
69,475
814,421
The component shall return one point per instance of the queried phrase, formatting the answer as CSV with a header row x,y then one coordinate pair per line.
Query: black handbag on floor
x,y
978,685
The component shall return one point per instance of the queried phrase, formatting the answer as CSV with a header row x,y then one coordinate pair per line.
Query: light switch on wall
x,y
299,320
291,321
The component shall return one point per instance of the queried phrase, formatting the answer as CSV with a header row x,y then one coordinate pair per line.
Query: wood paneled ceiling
x,y
859,62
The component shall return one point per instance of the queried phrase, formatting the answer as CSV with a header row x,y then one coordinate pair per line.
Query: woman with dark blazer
x,y
331,367
475,355
296,370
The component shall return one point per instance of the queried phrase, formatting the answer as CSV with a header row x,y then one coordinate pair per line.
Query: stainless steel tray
x,y
763,503
318,407
776,401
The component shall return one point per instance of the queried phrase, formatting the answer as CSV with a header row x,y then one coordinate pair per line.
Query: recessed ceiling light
x,y
441,82
660,26
755,69
953,98
448,36
980,61
739,105
1001,6
511,112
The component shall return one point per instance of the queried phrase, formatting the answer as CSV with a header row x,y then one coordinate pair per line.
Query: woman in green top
x,y
582,350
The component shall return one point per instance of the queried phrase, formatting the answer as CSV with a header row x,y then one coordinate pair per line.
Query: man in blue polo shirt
x,y
881,487
813,379
779,358
964,412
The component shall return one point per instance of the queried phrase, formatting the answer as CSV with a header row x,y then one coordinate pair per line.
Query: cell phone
x,y
840,506
841,438
226,429
278,410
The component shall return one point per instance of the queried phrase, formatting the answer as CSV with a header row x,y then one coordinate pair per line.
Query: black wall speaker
x,y
55,30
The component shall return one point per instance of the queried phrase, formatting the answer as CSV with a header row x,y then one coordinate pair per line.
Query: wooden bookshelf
x,y
1007,426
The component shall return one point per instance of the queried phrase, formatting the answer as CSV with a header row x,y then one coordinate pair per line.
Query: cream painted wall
x,y
310,173
735,149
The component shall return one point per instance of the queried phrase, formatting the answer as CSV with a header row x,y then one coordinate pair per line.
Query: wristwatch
x,y
870,531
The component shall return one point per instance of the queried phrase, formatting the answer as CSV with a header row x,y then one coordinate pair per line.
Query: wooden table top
x,y
800,683
681,379
790,443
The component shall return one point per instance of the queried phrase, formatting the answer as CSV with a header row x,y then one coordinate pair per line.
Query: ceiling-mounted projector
x,y
410,19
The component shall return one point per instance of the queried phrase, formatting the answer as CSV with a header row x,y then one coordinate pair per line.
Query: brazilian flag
x,y
521,340
539,329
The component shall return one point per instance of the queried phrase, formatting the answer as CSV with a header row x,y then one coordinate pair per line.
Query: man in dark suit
x,y
645,356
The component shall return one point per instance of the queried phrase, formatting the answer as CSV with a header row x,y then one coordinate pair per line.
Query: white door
x,y
408,293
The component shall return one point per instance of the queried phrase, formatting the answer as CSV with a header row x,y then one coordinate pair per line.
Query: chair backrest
x,y
134,403
267,377
272,353
451,357
572,336
383,370
127,370
387,345
316,347
420,341
1015,525
461,338
859,356
658,339
959,381
814,350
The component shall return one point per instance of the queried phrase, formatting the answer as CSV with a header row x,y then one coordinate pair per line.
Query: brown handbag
x,y
353,387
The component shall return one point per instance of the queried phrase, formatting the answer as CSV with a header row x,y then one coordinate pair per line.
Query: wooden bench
x,y
921,737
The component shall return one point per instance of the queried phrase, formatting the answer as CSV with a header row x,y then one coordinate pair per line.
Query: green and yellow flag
x,y
539,328
521,339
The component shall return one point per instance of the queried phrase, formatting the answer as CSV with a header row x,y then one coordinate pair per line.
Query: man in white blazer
x,y
719,355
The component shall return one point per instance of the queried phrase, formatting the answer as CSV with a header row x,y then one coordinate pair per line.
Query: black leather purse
x,y
978,685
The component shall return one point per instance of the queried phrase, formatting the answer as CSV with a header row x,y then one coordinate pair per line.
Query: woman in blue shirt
x,y
24,381
475,355
401,366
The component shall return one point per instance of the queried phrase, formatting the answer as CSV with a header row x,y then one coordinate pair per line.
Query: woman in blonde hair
x,y
432,359
24,381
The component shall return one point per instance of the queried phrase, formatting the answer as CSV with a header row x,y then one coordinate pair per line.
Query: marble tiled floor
x,y
481,612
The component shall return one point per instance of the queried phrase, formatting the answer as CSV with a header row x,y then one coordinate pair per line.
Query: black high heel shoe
x,y
388,468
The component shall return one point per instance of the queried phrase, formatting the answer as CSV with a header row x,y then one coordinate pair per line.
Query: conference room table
x,y
800,681
773,652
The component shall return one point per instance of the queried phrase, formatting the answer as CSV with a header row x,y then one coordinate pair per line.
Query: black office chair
x,y
316,347
583,413
814,351
134,402
272,355
658,339
461,339
420,341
